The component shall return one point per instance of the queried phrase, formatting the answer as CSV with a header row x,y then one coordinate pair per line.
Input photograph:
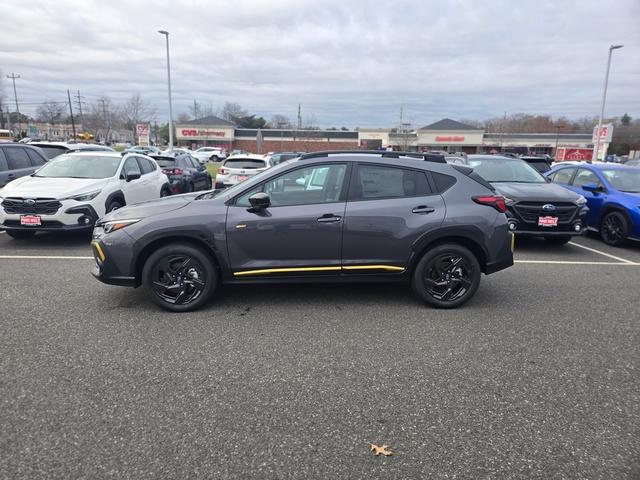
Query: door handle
x,y
11,175
422,209
329,218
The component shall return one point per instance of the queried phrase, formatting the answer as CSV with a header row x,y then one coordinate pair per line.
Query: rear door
x,y
388,209
4,170
198,173
300,233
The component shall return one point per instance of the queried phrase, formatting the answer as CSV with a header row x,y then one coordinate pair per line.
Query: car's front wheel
x,y
21,234
114,205
447,276
179,277
558,239
614,229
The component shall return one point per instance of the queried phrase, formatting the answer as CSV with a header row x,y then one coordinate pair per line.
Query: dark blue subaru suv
x,y
323,217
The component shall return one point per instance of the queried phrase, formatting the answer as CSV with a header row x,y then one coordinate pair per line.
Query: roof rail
x,y
428,157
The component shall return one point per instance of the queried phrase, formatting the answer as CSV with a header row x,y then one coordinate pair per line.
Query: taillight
x,y
222,171
178,171
495,201
172,171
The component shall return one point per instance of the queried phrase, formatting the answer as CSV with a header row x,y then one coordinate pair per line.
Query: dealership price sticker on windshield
x,y
547,221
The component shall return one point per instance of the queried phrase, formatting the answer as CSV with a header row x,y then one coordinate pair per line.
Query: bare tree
x,y
184,117
50,112
136,110
279,121
233,111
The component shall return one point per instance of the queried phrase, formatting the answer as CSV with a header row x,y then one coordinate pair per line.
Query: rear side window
x,y
3,162
17,158
36,160
246,163
443,182
145,165
374,182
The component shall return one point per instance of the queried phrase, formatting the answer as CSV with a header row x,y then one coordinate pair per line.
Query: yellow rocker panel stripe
x,y
263,271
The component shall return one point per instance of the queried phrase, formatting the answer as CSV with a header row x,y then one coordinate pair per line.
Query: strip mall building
x,y
446,134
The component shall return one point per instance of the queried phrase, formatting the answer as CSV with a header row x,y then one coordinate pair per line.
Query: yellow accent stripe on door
x,y
287,270
389,268
263,271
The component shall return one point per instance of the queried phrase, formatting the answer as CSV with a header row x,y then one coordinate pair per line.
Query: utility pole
x,y
79,97
106,121
13,77
73,123
195,109
299,117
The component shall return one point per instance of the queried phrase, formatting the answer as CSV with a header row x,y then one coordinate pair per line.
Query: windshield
x,y
246,163
165,162
505,170
623,180
80,166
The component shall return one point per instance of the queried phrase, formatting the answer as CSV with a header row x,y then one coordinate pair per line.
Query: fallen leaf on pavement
x,y
381,450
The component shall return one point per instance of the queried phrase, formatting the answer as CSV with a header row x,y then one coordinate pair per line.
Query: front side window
x,y
374,181
563,176
584,177
303,186
131,167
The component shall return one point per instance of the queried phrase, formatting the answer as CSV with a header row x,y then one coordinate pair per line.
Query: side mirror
x,y
259,201
592,187
133,176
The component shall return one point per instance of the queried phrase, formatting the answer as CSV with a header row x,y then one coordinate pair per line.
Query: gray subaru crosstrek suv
x,y
323,217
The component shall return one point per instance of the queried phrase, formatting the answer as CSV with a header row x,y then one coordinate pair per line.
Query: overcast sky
x,y
348,62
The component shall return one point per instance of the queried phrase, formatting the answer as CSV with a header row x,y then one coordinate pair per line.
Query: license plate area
x,y
30,220
547,221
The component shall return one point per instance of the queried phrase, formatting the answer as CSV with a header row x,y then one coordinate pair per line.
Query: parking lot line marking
x,y
567,262
601,253
44,257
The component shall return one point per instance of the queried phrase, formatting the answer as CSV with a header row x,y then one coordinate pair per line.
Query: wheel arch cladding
x,y
117,195
462,240
614,207
152,246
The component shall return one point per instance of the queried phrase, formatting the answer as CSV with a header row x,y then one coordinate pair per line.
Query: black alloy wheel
x,y
447,276
614,229
179,278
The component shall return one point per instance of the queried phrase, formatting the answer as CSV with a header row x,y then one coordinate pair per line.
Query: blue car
x,y
613,197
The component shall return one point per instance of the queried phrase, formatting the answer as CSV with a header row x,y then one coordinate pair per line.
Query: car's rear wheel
x,y
557,239
21,234
447,276
165,192
189,187
179,278
614,229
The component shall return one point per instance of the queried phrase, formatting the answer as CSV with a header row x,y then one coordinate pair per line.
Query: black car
x,y
329,217
541,164
18,160
185,173
536,207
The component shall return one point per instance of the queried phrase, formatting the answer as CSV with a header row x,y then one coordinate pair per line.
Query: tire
x,y
614,229
179,277
20,234
165,192
114,205
437,282
189,187
214,158
558,239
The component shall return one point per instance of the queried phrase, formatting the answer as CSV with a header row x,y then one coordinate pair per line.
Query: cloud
x,y
348,63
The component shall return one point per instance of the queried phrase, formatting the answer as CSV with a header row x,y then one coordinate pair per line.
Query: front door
x,y
299,233
134,190
388,209
595,200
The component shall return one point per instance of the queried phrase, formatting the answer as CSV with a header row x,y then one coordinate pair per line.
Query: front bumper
x,y
113,257
69,217
574,225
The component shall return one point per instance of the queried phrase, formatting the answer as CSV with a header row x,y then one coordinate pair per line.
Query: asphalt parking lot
x,y
537,377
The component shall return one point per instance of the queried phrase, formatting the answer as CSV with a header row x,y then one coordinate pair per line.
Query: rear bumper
x,y
504,260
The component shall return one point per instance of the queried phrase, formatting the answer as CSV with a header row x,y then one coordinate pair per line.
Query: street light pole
x,y
596,147
166,34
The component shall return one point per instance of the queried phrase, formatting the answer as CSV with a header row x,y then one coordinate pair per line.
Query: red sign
x,y
449,138
201,133
576,154
142,129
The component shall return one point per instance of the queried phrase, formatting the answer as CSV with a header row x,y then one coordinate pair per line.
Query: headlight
x,y
581,201
114,225
509,201
84,197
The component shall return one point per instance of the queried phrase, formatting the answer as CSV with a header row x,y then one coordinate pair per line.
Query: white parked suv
x,y
73,190
238,168
206,154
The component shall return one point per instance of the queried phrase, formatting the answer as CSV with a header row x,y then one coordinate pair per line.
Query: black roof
x,y
448,124
210,120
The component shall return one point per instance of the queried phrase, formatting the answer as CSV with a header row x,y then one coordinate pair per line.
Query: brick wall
x,y
299,145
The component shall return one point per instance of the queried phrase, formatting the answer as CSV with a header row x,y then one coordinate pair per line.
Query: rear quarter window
x,y
443,182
